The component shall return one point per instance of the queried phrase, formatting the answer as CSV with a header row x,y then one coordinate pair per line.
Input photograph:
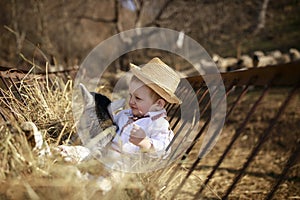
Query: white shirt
x,y
155,126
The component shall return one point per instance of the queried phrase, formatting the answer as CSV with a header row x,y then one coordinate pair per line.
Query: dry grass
x,y
49,107
24,174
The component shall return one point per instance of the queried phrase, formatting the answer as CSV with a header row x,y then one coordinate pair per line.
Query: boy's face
x,y
141,98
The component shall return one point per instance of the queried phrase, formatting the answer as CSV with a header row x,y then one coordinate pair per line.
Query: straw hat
x,y
160,78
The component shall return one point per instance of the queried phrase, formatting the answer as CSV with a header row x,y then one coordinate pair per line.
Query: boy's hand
x,y
138,137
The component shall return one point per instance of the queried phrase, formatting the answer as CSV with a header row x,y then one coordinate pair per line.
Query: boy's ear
x,y
161,102
158,105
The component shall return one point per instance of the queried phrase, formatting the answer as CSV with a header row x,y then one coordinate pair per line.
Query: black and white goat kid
x,y
96,127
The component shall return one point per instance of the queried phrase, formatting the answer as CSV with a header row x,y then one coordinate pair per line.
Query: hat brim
x,y
160,90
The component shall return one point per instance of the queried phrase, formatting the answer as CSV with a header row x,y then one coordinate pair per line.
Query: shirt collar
x,y
152,114
157,114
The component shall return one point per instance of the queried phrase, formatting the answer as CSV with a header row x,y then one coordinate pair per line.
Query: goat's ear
x,y
88,98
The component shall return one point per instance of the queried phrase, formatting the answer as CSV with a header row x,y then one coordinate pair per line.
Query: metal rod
x,y
261,141
216,166
205,147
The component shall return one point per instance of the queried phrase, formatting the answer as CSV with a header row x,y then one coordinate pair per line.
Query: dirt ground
x,y
267,165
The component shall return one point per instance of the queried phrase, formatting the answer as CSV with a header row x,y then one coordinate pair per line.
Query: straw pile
x,y
28,172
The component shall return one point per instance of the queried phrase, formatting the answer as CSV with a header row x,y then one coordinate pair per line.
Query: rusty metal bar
x,y
199,156
197,93
187,152
169,107
201,113
180,91
177,134
216,166
175,124
175,113
202,129
261,141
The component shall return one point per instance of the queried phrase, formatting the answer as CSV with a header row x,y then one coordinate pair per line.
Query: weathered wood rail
x,y
240,152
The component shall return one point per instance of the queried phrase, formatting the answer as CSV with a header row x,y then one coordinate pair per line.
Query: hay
x,y
25,174
47,107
